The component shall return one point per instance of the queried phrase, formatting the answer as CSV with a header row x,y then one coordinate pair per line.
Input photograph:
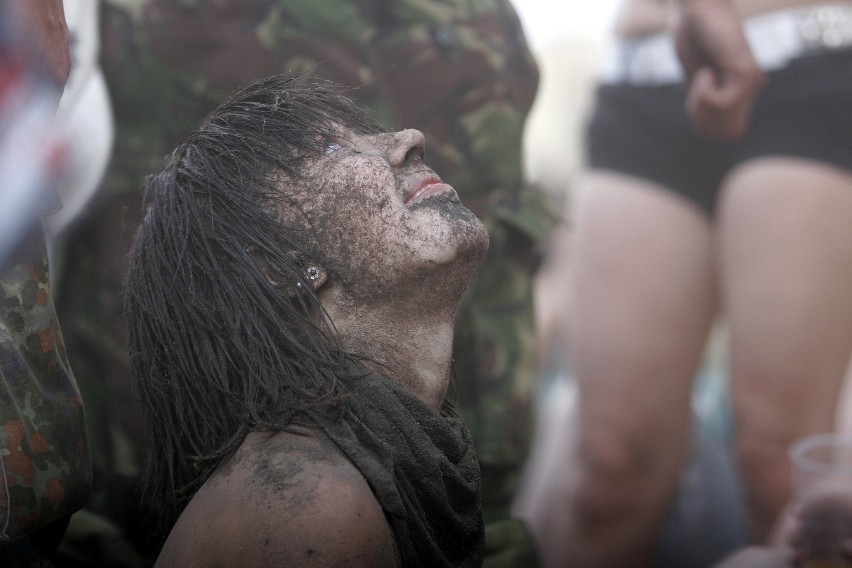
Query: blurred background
x,y
566,38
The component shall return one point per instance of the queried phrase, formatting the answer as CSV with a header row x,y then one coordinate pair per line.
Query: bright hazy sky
x,y
546,20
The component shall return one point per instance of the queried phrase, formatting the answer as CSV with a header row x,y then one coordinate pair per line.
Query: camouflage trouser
x,y
45,472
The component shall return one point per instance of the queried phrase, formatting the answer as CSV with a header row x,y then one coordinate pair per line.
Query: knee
x,y
762,450
617,475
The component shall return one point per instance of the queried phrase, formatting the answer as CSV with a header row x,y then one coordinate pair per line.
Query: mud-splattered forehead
x,y
233,183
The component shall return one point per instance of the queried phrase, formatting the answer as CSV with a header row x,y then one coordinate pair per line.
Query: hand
x,y
822,526
758,557
44,34
722,76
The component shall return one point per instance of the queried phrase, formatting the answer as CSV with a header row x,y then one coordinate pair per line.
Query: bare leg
x,y
786,259
642,301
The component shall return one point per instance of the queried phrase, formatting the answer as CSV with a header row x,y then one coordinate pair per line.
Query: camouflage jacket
x,y
458,70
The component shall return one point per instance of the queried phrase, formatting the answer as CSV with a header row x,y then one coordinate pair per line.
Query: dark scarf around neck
x,y
422,468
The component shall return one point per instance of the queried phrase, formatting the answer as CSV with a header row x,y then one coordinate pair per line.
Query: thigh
x,y
642,301
785,242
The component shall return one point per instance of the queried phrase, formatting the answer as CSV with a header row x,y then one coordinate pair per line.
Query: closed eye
x,y
331,147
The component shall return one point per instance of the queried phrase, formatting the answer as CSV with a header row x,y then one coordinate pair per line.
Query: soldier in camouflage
x,y
45,472
459,71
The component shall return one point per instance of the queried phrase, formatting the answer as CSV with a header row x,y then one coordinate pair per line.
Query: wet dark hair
x,y
219,346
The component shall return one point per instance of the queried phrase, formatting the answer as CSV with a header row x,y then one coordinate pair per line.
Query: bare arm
x,y
722,75
282,504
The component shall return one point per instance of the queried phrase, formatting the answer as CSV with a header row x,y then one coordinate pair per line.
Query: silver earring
x,y
313,273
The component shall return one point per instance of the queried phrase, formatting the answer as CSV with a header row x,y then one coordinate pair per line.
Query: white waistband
x,y
775,38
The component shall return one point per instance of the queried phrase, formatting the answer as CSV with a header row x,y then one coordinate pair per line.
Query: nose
x,y
408,147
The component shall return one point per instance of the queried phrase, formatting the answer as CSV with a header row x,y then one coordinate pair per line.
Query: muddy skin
x,y
396,270
397,250
274,476
373,240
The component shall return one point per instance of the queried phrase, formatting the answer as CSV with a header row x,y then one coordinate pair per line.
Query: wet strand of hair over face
x,y
216,346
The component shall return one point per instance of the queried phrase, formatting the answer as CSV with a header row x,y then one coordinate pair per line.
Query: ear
x,y
274,276
312,273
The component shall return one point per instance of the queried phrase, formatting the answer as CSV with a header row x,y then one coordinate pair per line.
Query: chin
x,y
460,217
479,240
463,241
472,239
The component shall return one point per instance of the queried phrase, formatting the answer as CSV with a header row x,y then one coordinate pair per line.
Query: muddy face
x,y
385,222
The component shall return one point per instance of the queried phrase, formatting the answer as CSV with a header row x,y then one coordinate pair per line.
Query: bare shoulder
x,y
284,499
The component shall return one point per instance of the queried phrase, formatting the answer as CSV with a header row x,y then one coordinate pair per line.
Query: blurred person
x,y
291,296
705,194
461,72
45,473
814,532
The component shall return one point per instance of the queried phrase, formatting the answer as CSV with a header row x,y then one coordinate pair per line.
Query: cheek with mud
x,y
370,240
348,221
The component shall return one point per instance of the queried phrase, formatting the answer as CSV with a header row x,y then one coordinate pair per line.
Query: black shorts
x,y
805,111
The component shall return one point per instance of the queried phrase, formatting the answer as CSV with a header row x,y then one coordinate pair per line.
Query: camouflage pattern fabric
x,y
458,70
44,462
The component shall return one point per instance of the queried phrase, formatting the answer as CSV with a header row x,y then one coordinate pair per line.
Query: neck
x,y
405,342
